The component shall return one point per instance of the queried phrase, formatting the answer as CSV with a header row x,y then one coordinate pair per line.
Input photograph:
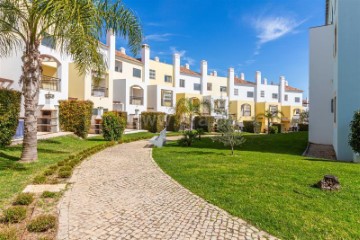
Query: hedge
x,y
303,127
172,123
75,116
153,121
122,115
248,126
10,101
207,123
113,126
274,129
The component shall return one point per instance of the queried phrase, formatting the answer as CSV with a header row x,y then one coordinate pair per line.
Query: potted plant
x,y
354,137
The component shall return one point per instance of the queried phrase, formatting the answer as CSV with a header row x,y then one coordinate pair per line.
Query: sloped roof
x,y
292,89
239,81
186,71
124,56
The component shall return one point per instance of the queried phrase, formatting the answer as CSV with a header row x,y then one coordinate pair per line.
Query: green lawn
x,y
269,184
14,176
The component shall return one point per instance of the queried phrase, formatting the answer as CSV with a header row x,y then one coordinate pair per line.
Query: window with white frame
x,y
166,98
250,94
297,99
275,96
246,110
152,74
209,86
286,97
273,109
182,83
118,66
236,92
262,94
136,72
168,78
222,89
197,86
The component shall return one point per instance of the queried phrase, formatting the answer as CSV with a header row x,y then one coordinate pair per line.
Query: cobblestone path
x,y
120,193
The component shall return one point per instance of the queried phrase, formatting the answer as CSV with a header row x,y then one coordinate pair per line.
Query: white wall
x,y
320,85
189,84
242,90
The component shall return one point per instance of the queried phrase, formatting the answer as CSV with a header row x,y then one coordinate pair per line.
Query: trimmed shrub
x,y
248,126
40,179
273,129
8,234
204,122
172,123
47,194
14,214
122,115
24,199
153,121
9,114
42,223
354,136
49,172
188,138
75,116
303,127
278,126
64,174
113,126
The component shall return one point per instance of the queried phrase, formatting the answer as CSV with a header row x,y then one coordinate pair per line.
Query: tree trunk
x,y
232,150
191,122
30,80
268,126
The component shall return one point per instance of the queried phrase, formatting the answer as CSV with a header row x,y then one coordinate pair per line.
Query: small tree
x,y
270,116
230,136
354,137
304,117
188,108
113,126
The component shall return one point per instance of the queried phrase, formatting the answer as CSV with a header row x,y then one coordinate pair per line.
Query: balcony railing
x,y
50,83
135,100
99,91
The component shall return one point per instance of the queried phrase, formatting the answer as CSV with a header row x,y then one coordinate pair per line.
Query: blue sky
x,y
266,35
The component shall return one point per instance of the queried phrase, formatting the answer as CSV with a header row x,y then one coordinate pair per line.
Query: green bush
x,y
42,223
172,123
64,174
9,114
122,115
274,129
24,199
278,126
354,136
248,126
303,127
153,121
40,179
75,116
188,138
113,126
8,234
204,122
47,194
49,172
14,214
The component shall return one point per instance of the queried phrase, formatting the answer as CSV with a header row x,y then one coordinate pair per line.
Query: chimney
x,y
176,67
265,81
111,42
286,83
258,78
122,50
231,83
282,89
187,66
215,73
157,59
242,76
204,75
145,59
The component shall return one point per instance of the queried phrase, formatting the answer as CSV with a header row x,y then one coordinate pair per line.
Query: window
x,y
168,78
286,97
222,89
152,74
262,94
137,72
166,98
182,82
236,92
209,86
297,99
296,111
273,109
275,96
48,41
219,104
197,86
250,94
334,109
246,110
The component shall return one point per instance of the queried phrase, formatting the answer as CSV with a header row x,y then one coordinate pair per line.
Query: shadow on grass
x,y
50,141
327,160
10,162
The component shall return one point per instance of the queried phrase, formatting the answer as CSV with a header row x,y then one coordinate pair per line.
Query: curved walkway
x,y
120,193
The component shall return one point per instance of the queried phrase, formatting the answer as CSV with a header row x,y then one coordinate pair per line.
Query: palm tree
x,y
74,27
190,107
270,116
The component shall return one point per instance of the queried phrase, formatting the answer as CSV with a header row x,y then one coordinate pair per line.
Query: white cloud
x,y
182,54
158,37
272,28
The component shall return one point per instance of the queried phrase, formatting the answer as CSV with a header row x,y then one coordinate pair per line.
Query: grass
x,y
14,176
269,184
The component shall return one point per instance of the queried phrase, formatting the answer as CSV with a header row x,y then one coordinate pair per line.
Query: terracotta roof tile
x,y
239,81
121,55
186,71
292,89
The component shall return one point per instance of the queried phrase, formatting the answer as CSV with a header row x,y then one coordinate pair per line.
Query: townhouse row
x,y
142,84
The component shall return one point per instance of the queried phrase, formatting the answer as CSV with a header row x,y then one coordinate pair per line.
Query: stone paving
x,y
120,193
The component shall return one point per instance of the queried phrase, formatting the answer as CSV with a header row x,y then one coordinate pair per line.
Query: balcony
x,y
99,91
135,100
50,83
